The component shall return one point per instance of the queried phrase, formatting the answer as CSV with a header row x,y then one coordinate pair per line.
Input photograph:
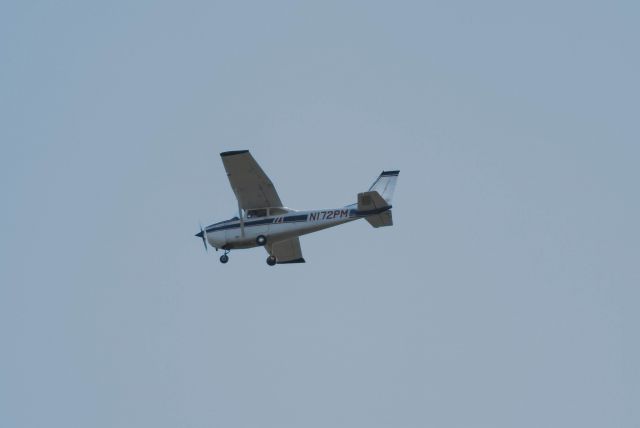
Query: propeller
x,y
203,235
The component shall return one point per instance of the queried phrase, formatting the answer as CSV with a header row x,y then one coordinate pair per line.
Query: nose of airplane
x,y
202,236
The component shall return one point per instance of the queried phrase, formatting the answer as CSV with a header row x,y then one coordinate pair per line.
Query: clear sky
x,y
505,295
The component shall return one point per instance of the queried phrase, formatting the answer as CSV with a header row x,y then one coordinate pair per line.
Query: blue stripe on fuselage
x,y
229,224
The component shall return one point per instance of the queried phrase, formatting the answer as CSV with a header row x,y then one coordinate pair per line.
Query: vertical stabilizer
x,y
386,184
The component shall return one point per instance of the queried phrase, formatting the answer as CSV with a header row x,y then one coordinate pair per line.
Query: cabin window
x,y
257,213
278,211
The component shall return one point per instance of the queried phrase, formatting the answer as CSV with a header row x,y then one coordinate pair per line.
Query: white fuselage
x,y
242,233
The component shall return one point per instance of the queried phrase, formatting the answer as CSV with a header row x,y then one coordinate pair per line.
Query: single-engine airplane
x,y
263,221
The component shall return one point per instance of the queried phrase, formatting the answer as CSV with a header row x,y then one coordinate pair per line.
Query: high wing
x,y
286,251
251,185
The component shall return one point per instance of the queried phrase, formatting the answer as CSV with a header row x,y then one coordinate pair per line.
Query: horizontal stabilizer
x,y
380,220
375,208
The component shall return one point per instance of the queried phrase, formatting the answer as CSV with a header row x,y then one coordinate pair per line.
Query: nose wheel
x,y
224,258
271,260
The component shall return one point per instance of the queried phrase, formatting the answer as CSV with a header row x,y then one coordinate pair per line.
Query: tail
x,y
385,184
377,200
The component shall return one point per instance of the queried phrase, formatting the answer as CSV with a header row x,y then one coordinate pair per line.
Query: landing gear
x,y
261,240
224,258
271,260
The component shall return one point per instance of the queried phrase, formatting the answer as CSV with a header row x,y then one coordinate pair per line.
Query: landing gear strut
x,y
224,258
271,260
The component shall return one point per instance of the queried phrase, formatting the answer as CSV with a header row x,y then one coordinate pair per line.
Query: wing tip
x,y
390,173
300,260
233,152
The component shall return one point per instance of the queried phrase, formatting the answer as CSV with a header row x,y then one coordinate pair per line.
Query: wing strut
x,y
240,214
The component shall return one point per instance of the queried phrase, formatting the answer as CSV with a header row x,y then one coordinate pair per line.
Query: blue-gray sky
x,y
505,295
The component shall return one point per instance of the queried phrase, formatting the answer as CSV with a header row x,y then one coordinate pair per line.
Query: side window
x,y
278,211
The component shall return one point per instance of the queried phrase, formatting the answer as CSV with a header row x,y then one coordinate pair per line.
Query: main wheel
x,y
261,240
271,260
224,258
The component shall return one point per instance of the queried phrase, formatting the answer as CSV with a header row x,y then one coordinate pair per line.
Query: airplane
x,y
263,221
